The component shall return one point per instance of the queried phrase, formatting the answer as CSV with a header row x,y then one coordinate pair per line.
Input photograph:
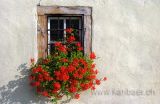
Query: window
x,y
57,25
53,20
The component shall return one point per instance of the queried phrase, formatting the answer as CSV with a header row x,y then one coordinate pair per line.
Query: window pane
x,y
53,24
61,31
75,24
54,35
61,24
68,23
56,30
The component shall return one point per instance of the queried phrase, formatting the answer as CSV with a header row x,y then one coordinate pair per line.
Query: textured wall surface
x,y
126,37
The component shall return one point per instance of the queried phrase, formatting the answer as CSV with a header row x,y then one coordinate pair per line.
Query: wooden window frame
x,y
42,34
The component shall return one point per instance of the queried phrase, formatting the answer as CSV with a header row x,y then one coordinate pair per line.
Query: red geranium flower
x,y
57,44
57,73
86,86
91,77
93,88
78,44
71,39
96,71
75,62
76,96
35,84
72,89
69,30
80,49
37,70
71,68
98,82
92,55
62,49
40,77
65,77
45,93
74,82
63,69
31,77
93,65
54,91
105,78
57,85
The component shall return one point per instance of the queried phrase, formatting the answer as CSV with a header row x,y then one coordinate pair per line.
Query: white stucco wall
x,y
126,37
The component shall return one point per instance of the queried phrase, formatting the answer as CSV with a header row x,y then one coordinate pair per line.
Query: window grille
x,y
57,24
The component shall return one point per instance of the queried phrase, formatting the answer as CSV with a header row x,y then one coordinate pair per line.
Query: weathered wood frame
x,y
44,11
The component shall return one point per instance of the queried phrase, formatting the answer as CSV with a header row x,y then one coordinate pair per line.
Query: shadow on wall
x,y
18,91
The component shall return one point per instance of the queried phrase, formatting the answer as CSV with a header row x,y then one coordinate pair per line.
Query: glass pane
x,y
61,24
68,22
54,35
53,24
73,23
61,30
56,28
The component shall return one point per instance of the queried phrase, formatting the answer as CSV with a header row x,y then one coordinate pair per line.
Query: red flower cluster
x,y
69,30
60,47
61,75
65,74
92,55
72,89
71,39
45,93
79,47
57,86
76,96
39,75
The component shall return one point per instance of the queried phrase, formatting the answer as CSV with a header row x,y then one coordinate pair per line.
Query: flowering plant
x,y
66,72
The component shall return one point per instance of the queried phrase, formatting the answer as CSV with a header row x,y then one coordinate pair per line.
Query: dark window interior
x,y
56,33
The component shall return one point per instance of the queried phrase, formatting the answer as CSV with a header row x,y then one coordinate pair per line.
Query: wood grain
x,y
42,37
43,10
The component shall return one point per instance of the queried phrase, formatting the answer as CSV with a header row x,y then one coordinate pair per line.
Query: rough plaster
x,y
126,37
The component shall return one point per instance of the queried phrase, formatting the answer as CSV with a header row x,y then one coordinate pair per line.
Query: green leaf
x,y
54,100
